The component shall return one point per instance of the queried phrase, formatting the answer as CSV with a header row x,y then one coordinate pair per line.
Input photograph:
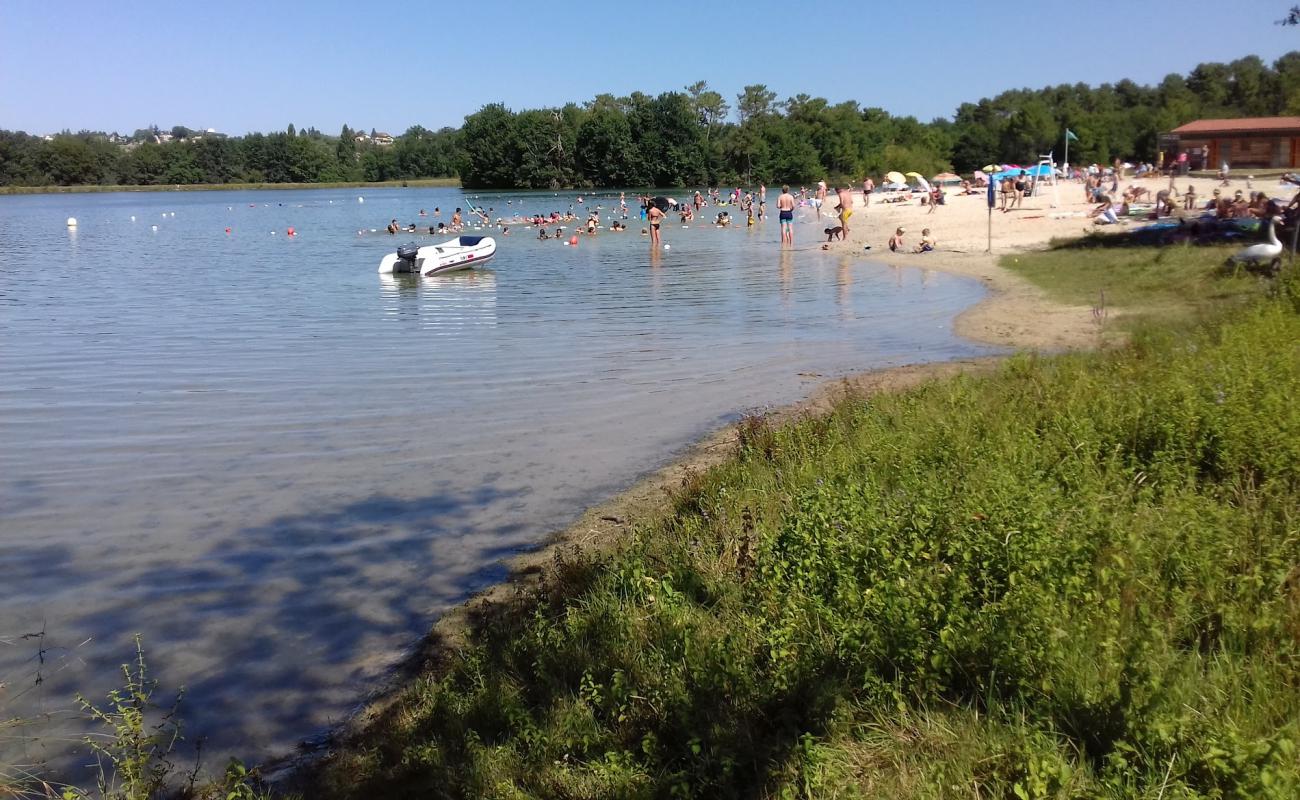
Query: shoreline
x,y
1014,314
600,529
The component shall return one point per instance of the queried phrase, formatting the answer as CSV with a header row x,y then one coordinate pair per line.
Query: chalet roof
x,y
1243,125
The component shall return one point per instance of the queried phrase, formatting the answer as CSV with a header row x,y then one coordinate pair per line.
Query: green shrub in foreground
x,y
1077,578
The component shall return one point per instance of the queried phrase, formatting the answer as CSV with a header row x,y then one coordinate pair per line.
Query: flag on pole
x,y
993,195
1069,135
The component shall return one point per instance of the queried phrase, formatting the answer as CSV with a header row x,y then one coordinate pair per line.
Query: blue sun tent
x,y
1039,171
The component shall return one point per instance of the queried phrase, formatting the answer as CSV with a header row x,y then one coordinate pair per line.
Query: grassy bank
x,y
1171,286
1078,577
218,187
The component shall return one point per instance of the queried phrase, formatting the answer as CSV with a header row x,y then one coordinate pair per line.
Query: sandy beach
x,y
1016,314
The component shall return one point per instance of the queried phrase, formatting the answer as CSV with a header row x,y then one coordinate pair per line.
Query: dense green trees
x,y
300,156
682,138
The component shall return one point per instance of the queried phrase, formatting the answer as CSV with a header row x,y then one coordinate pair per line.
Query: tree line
x,y
289,156
684,138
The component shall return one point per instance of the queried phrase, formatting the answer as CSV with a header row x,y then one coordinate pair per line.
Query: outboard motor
x,y
406,254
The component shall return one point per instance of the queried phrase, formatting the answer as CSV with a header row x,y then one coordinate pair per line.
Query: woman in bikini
x,y
654,216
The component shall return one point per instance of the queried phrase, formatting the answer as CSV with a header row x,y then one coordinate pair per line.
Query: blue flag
x,y
1069,135
992,192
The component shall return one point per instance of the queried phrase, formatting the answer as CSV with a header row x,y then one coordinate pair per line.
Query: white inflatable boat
x,y
463,252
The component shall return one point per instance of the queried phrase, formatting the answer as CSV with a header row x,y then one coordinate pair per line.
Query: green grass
x,y
217,187
1174,285
1079,577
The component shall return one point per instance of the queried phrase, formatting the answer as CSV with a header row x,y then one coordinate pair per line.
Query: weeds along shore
x,y
1067,576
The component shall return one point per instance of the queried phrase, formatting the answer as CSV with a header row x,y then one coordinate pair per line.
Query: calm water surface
x,y
278,466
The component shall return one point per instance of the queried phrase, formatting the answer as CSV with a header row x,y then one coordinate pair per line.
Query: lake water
x,y
277,466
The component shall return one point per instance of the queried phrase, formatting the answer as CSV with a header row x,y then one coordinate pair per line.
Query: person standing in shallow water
x,y
785,205
654,216
846,210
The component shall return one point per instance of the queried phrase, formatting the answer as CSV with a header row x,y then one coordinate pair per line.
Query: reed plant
x,y
134,743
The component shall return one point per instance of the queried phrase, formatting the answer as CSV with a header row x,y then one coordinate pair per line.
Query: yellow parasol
x,y
895,177
913,174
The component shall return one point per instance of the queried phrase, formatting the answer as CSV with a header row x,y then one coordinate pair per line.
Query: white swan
x,y
1268,252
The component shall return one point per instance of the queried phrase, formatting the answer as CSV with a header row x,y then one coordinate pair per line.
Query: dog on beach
x,y
834,233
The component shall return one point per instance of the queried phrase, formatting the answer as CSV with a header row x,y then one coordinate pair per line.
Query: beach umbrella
x,y
992,168
946,177
895,177
913,175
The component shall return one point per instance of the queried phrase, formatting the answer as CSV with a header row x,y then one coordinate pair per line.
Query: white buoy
x,y
72,222
164,216
173,213
361,199
668,247
133,217
154,228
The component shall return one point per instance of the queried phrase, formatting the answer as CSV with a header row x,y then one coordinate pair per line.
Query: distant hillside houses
x,y
374,137
177,134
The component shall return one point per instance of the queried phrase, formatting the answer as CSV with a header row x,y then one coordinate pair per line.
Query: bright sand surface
x,y
1016,313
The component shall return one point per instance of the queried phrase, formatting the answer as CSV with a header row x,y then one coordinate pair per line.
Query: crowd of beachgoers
x,y
1113,195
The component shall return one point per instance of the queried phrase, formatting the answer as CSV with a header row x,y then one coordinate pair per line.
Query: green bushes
x,y
1079,577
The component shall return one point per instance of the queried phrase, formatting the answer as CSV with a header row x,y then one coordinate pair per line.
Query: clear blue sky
x,y
238,66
